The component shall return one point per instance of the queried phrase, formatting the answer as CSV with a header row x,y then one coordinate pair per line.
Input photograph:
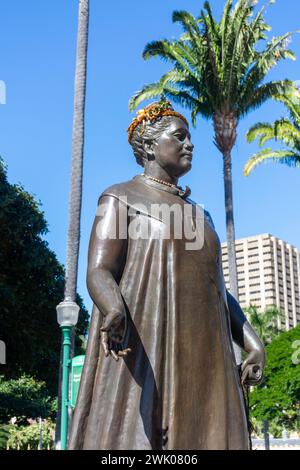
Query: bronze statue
x,y
160,371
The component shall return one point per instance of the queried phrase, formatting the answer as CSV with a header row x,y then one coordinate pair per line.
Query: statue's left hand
x,y
108,349
252,367
112,332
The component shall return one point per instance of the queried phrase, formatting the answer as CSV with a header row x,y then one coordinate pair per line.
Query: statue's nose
x,y
189,146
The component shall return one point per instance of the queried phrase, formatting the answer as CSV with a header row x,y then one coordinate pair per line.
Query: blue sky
x,y
37,43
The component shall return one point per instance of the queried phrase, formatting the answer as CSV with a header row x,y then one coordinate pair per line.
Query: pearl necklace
x,y
181,192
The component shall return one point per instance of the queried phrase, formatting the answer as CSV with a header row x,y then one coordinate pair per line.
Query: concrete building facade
x,y
268,275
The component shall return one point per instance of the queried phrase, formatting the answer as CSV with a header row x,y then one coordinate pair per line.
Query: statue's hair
x,y
151,132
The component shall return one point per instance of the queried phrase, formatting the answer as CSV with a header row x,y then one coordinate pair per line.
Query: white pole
x,y
41,435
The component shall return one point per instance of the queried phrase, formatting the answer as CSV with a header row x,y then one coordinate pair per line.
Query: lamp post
x,y
67,317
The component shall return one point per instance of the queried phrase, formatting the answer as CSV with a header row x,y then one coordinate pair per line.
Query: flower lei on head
x,y
151,113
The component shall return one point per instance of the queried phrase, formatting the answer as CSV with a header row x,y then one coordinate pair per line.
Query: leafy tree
x,y
265,323
277,399
24,398
28,437
219,68
4,435
285,131
31,285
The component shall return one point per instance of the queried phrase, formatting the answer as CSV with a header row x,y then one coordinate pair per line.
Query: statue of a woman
x,y
160,371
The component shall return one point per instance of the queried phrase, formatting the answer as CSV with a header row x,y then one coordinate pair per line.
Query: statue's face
x,y
173,150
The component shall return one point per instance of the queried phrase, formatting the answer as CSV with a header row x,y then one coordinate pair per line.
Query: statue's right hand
x,y
112,335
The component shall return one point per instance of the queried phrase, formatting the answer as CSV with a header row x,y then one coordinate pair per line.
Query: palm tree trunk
x,y
77,153
76,171
225,124
230,225
233,280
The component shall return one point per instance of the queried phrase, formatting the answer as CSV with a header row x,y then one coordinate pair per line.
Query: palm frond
x,y
245,10
189,54
181,97
258,27
187,21
152,90
224,28
279,156
262,130
191,28
181,79
240,7
213,25
288,133
262,93
265,61
203,109
265,323
168,51
213,52
291,99
234,39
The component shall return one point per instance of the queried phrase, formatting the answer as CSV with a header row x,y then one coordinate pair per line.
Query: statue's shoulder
x,y
209,218
120,190
207,215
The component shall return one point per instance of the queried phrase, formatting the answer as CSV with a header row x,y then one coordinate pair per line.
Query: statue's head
x,y
160,134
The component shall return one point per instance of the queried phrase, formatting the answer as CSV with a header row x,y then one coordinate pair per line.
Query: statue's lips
x,y
189,156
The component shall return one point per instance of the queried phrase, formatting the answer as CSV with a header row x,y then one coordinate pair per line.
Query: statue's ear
x,y
149,149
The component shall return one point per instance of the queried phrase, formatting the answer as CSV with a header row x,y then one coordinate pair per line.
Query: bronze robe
x,y
179,388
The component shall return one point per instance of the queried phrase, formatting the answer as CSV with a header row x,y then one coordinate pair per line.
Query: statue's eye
x,y
180,137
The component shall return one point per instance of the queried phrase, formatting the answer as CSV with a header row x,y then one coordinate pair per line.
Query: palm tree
x,y
218,72
76,174
77,153
265,323
287,131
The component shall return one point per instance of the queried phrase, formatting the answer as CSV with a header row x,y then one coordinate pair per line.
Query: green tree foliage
x,y
277,399
265,323
285,131
28,437
4,435
24,398
31,285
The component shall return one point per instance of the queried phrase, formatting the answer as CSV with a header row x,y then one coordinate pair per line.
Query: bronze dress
x,y
179,388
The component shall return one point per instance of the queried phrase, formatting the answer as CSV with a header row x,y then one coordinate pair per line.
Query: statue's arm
x,y
106,259
245,336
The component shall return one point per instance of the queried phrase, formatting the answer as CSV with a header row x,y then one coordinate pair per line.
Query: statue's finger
x,y
104,342
245,374
124,352
114,355
245,364
104,335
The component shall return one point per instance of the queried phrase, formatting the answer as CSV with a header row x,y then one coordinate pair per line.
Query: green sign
x,y
76,370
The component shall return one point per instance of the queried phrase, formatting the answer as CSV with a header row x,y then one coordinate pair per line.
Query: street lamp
x,y
67,317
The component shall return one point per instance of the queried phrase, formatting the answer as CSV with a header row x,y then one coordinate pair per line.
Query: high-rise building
x,y
268,275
